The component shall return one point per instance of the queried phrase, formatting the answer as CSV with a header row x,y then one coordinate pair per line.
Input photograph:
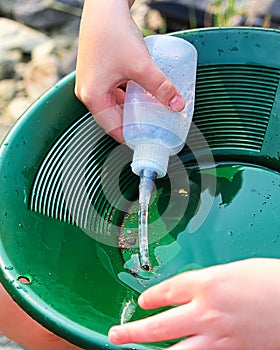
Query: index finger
x,y
152,79
171,324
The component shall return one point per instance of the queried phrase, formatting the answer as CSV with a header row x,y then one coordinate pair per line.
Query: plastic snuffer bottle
x,y
154,131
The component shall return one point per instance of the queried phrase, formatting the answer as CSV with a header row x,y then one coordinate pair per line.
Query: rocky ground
x,y
34,53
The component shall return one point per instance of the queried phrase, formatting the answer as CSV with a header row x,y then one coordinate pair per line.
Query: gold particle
x,y
183,192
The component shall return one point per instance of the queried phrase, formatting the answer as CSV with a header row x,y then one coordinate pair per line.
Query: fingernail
x,y
141,301
113,336
177,103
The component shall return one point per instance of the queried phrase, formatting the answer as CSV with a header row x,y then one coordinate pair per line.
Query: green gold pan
x,y
68,199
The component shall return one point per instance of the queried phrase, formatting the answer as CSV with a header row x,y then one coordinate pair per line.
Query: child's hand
x,y
235,306
111,52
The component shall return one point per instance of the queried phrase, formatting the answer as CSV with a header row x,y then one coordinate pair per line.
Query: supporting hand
x,y
235,306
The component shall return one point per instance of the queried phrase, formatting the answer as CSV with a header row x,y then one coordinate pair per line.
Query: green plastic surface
x,y
68,200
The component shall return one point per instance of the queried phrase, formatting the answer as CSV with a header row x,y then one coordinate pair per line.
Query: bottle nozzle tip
x,y
146,267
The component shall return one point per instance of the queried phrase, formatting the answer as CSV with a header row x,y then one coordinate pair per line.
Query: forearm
x,y
20,327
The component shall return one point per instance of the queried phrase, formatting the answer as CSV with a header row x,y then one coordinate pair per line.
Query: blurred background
x,y
38,42
38,38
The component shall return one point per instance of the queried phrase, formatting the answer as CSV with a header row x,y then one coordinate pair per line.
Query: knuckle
x,y
226,342
156,332
140,68
212,318
89,97
167,294
129,334
165,88
210,283
82,94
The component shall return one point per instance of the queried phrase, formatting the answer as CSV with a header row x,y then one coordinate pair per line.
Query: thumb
x,y
152,79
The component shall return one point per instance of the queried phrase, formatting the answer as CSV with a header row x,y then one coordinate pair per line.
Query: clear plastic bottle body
x,y
154,131
148,126
146,121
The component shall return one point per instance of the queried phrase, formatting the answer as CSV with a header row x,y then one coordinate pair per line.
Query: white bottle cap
x,y
150,156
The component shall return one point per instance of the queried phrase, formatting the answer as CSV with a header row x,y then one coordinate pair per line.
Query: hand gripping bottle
x,y
154,131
